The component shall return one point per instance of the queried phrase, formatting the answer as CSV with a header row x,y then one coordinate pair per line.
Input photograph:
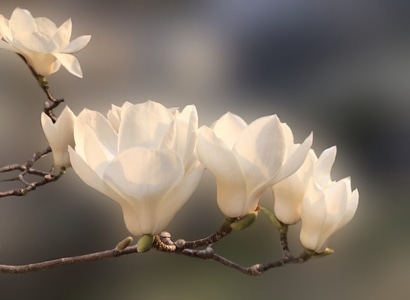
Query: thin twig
x,y
25,169
66,261
52,102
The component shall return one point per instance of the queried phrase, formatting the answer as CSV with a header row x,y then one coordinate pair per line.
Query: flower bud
x,y
144,243
245,221
60,135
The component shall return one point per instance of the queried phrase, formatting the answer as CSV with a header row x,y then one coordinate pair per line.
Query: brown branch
x,y
66,261
52,102
26,169
164,243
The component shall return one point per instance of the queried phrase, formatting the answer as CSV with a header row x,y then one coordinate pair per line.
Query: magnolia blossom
x,y
141,156
289,192
327,205
60,135
44,46
247,159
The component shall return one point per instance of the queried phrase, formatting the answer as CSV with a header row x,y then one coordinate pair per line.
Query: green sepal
x,y
245,221
144,243
272,218
325,252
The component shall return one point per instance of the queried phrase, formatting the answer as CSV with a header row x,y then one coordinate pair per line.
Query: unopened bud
x,y
245,221
144,243
124,243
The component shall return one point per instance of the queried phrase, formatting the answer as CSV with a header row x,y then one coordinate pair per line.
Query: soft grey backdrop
x,y
339,68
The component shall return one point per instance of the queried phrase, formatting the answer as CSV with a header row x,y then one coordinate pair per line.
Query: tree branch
x,y
164,243
26,169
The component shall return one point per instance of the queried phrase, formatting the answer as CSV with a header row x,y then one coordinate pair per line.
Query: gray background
x,y
340,68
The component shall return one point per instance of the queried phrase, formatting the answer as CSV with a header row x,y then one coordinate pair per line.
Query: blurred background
x,y
340,69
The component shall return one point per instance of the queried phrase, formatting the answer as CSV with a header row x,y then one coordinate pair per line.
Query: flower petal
x,y
324,166
261,151
60,135
5,31
45,26
70,62
21,22
63,34
187,127
177,197
115,114
229,128
77,44
144,125
313,214
100,126
219,159
90,177
145,182
295,160
140,173
289,192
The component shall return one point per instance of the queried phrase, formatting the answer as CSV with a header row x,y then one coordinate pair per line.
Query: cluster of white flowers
x,y
150,158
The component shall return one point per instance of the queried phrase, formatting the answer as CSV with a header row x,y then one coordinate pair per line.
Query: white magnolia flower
x,y
327,205
247,159
289,192
60,135
44,46
142,157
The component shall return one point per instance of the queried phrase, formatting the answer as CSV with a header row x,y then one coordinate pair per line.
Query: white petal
x,y
21,22
187,127
5,31
231,184
60,135
45,26
63,34
36,42
324,165
313,214
260,151
70,62
98,151
101,127
144,125
90,177
77,44
143,177
295,160
178,196
140,173
289,193
115,114
228,128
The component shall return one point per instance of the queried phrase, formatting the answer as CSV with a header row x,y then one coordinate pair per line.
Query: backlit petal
x,y
144,125
70,62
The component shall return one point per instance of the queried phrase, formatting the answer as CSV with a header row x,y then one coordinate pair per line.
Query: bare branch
x,y
164,243
65,261
26,169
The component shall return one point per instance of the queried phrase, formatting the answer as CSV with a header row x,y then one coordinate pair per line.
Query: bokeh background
x,y
338,68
